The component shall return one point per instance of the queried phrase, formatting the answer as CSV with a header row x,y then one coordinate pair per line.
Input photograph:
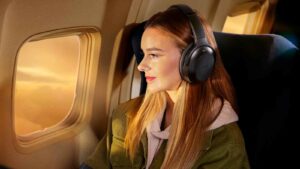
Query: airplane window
x,y
235,24
45,82
251,22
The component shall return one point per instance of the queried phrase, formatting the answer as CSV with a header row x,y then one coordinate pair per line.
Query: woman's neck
x,y
172,96
171,99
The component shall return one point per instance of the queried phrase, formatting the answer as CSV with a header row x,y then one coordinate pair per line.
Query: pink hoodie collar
x,y
155,136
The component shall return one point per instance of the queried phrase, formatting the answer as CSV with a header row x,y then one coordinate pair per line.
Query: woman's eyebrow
x,y
154,49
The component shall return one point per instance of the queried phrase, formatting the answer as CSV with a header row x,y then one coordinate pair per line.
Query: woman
x,y
186,118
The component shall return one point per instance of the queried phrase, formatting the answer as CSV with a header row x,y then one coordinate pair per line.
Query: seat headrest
x,y
253,55
136,38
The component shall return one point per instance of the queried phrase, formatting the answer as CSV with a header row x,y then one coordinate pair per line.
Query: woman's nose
x,y
143,66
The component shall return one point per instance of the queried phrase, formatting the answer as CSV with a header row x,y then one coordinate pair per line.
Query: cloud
x,y
41,75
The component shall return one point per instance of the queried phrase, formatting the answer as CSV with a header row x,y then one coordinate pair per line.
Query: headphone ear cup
x,y
201,63
196,63
184,62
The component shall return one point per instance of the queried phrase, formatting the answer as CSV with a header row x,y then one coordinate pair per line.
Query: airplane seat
x,y
263,70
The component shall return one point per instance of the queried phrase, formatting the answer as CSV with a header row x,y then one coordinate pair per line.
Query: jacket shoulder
x,y
118,155
128,106
121,114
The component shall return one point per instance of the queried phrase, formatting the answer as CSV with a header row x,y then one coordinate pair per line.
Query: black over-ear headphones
x,y
198,58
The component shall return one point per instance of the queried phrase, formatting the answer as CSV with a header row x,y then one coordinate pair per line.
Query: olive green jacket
x,y
224,148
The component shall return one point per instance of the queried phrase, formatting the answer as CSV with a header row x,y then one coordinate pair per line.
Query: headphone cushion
x,y
184,62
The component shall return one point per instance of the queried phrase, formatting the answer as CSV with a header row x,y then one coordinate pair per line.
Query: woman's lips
x,y
149,78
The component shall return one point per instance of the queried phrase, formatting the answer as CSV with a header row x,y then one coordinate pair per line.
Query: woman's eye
x,y
153,56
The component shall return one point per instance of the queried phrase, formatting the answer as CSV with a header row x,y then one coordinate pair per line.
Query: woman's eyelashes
x,y
153,55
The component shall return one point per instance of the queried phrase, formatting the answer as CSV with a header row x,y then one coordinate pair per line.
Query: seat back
x,y
264,71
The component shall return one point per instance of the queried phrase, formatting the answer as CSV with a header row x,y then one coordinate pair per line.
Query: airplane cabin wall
x,y
19,21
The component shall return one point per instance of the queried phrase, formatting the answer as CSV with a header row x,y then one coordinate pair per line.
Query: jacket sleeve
x,y
102,158
99,159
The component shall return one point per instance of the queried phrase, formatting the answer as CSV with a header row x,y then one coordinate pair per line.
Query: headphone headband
x,y
196,26
198,58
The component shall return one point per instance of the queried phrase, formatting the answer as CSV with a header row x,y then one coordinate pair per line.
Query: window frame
x,y
80,113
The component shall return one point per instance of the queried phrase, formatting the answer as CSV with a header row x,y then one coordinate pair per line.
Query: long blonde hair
x,y
192,111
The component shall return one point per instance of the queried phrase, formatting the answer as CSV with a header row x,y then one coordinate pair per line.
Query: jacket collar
x,y
206,146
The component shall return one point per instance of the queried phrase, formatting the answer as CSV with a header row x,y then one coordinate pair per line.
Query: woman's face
x,y
161,60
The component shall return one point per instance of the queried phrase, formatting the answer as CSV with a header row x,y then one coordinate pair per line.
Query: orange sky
x,y
45,82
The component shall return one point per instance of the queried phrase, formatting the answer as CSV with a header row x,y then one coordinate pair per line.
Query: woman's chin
x,y
153,90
